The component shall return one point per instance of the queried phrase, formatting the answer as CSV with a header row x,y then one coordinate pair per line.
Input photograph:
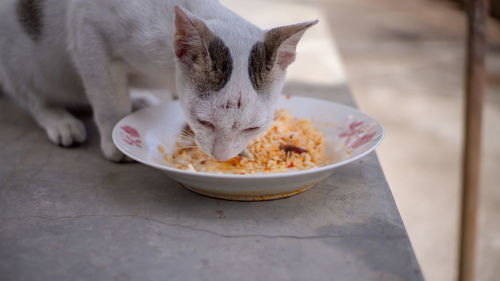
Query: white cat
x,y
226,72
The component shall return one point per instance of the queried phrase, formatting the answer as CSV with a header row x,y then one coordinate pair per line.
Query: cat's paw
x,y
66,131
112,153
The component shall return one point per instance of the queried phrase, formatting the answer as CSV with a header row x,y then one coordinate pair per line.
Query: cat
x,y
226,72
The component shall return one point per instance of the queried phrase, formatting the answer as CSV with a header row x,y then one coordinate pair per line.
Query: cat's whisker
x,y
186,130
246,153
186,134
183,138
186,137
189,133
190,146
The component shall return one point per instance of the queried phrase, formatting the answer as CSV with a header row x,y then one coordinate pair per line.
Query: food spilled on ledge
x,y
290,144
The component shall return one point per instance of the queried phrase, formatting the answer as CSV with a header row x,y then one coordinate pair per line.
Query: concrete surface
x,y
67,214
404,60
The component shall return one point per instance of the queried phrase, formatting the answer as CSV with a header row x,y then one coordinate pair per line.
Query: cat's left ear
x,y
283,41
191,38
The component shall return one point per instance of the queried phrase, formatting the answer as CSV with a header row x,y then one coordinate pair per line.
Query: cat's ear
x,y
191,38
204,55
282,41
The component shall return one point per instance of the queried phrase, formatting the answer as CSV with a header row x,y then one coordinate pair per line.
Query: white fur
x,y
92,51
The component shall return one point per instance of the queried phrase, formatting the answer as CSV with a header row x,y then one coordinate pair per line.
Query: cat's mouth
x,y
247,154
188,136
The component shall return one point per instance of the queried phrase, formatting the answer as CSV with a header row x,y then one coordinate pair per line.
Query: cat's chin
x,y
223,159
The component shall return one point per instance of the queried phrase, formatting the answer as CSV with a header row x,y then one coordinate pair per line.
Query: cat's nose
x,y
222,152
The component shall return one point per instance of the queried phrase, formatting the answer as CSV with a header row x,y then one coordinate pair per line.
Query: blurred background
x,y
404,60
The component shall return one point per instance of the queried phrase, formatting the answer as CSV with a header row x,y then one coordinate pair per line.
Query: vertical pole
x,y
474,87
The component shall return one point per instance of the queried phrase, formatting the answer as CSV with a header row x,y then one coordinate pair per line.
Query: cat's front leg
x,y
106,86
61,127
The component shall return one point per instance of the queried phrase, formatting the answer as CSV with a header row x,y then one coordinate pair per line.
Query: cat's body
x,y
54,53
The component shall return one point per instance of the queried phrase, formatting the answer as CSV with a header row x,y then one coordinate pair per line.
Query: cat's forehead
x,y
238,36
248,54
234,62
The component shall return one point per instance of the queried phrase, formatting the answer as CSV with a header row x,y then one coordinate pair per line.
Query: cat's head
x,y
229,78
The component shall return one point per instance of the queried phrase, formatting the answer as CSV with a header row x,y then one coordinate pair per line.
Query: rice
x,y
290,144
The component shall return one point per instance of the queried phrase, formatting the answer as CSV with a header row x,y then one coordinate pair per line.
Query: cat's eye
x,y
206,124
252,129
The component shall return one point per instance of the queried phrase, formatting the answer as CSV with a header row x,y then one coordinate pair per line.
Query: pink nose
x,y
221,151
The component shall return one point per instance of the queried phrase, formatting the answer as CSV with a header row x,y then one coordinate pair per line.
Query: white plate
x,y
349,135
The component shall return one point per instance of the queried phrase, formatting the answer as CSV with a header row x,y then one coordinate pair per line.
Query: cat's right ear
x,y
283,42
190,39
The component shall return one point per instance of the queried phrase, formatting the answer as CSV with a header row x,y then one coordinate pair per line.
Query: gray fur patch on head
x,y
260,64
29,15
208,62
218,71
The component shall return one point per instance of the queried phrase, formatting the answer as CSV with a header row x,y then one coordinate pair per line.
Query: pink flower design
x,y
355,136
131,136
131,131
355,129
362,140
